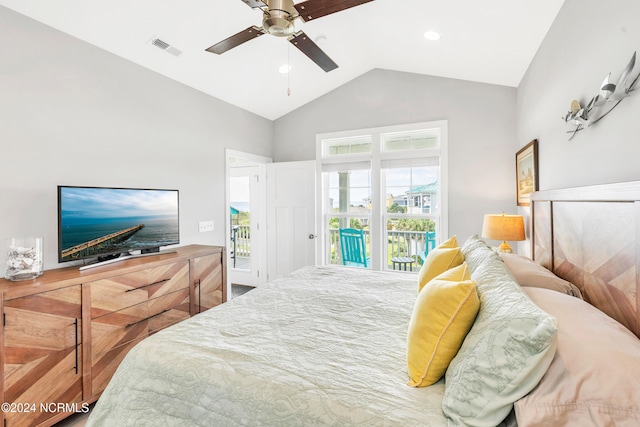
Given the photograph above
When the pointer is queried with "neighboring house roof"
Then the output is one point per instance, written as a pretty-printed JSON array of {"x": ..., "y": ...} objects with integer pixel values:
[
  {"x": 429, "y": 188},
  {"x": 233, "y": 210}
]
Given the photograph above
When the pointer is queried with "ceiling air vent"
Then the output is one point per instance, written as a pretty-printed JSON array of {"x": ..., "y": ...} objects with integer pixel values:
[{"x": 166, "y": 47}]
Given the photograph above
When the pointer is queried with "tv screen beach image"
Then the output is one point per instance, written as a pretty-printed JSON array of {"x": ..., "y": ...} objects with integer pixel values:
[{"x": 107, "y": 220}]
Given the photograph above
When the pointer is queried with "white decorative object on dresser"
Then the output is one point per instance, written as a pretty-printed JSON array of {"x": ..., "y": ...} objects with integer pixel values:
[{"x": 24, "y": 258}]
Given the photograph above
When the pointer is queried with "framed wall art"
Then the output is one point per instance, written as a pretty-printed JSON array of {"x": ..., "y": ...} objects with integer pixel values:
[{"x": 526, "y": 172}]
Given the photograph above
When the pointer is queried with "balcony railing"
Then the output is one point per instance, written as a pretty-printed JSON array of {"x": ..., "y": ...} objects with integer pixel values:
[
  {"x": 399, "y": 244},
  {"x": 241, "y": 240}
]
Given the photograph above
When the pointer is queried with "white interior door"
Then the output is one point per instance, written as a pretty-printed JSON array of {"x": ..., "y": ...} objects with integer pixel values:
[{"x": 291, "y": 223}]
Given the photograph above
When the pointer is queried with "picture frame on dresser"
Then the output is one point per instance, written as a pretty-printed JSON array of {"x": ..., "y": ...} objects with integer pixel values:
[{"x": 526, "y": 172}]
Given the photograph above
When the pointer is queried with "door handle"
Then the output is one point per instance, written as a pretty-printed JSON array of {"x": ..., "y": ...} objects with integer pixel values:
[{"x": 312, "y": 236}]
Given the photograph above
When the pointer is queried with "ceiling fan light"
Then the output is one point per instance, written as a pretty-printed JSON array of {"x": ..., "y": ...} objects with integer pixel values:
[
  {"x": 321, "y": 40},
  {"x": 432, "y": 35}
]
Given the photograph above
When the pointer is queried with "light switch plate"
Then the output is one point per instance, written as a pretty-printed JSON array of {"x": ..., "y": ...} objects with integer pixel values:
[{"x": 205, "y": 226}]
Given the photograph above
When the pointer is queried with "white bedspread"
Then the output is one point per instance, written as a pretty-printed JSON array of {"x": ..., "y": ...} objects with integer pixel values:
[{"x": 323, "y": 346}]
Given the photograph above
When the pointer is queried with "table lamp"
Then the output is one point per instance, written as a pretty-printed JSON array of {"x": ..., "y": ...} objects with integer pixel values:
[{"x": 503, "y": 227}]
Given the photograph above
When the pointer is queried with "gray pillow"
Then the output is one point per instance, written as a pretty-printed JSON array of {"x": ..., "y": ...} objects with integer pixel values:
[
  {"x": 529, "y": 273},
  {"x": 507, "y": 350}
]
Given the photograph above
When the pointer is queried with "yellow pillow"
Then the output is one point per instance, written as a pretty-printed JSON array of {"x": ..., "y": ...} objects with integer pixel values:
[
  {"x": 451, "y": 243},
  {"x": 442, "y": 316},
  {"x": 445, "y": 256}
]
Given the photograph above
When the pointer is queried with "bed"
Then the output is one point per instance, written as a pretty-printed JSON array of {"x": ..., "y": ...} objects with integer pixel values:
[
  {"x": 551, "y": 342},
  {"x": 316, "y": 356}
]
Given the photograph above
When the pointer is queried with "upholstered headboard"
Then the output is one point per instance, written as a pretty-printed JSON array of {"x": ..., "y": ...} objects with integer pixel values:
[{"x": 590, "y": 236}]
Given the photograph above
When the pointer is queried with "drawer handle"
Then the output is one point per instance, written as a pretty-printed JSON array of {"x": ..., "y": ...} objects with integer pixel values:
[
  {"x": 76, "y": 328},
  {"x": 147, "y": 318},
  {"x": 146, "y": 286},
  {"x": 199, "y": 296}
]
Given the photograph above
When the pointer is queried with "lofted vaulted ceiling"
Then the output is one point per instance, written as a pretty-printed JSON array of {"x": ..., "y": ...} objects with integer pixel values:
[{"x": 490, "y": 41}]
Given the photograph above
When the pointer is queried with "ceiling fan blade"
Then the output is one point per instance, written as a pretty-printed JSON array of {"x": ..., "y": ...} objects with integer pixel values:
[
  {"x": 236, "y": 40},
  {"x": 314, "y": 9},
  {"x": 254, "y": 3},
  {"x": 309, "y": 48}
]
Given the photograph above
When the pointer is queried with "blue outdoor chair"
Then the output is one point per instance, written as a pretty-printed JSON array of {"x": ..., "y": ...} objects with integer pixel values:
[
  {"x": 352, "y": 245},
  {"x": 430, "y": 244}
]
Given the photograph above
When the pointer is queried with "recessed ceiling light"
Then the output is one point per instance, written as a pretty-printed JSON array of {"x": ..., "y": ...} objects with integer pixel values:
[
  {"x": 432, "y": 35},
  {"x": 321, "y": 40},
  {"x": 284, "y": 69}
]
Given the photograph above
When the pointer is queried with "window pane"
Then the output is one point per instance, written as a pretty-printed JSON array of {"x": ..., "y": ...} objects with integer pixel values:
[
  {"x": 240, "y": 204},
  {"x": 349, "y": 191},
  {"x": 397, "y": 143},
  {"x": 409, "y": 238},
  {"x": 340, "y": 147},
  {"x": 412, "y": 190},
  {"x": 428, "y": 138},
  {"x": 425, "y": 141}
]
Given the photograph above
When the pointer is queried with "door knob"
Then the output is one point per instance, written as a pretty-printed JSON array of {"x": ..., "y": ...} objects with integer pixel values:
[{"x": 312, "y": 236}]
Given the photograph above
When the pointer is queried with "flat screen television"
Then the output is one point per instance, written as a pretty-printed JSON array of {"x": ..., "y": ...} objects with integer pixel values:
[{"x": 100, "y": 223}]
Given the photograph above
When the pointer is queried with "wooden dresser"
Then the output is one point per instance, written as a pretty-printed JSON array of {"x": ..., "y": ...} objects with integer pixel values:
[{"x": 65, "y": 333}]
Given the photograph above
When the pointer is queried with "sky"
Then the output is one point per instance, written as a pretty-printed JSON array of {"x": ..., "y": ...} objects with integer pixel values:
[
  {"x": 239, "y": 194},
  {"x": 114, "y": 203}
]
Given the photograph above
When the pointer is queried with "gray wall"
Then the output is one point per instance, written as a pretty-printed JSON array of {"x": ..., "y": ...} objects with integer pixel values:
[
  {"x": 588, "y": 40},
  {"x": 74, "y": 114},
  {"x": 481, "y": 122}
]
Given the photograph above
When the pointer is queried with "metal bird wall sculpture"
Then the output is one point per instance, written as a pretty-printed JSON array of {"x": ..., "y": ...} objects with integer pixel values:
[{"x": 604, "y": 102}]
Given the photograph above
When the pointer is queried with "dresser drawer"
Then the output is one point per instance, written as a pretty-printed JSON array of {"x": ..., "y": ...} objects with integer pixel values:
[
  {"x": 120, "y": 327},
  {"x": 178, "y": 311},
  {"x": 103, "y": 369},
  {"x": 120, "y": 292},
  {"x": 167, "y": 319}
]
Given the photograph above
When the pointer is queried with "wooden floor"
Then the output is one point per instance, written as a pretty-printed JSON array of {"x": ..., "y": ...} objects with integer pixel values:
[
  {"x": 237, "y": 290},
  {"x": 76, "y": 420}
]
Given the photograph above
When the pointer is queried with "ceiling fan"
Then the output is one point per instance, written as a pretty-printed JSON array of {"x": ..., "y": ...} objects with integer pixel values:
[{"x": 278, "y": 20}]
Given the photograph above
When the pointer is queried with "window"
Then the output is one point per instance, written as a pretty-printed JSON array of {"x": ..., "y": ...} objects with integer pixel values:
[
  {"x": 388, "y": 182},
  {"x": 401, "y": 141},
  {"x": 348, "y": 206},
  {"x": 353, "y": 145}
]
